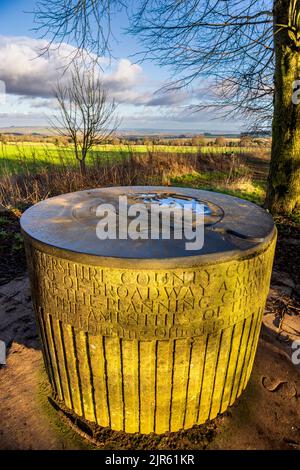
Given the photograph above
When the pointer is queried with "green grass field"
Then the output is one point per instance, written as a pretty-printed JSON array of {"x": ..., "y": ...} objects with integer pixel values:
[{"x": 18, "y": 158}]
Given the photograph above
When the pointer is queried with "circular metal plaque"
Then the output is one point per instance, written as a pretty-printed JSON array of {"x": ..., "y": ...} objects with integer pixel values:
[{"x": 68, "y": 222}]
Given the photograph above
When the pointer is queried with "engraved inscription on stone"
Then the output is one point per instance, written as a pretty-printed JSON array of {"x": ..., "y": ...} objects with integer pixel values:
[{"x": 137, "y": 304}]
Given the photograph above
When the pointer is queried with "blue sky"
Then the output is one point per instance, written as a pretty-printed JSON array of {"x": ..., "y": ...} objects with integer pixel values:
[{"x": 30, "y": 80}]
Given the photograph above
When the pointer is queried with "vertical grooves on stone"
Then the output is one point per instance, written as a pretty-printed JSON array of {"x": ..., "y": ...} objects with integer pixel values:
[
  {"x": 85, "y": 375},
  {"x": 122, "y": 383},
  {"x": 172, "y": 381},
  {"x": 193, "y": 388},
  {"x": 248, "y": 353},
  {"x": 236, "y": 345},
  {"x": 97, "y": 366},
  {"x": 139, "y": 382},
  {"x": 77, "y": 372},
  {"x": 62, "y": 344},
  {"x": 62, "y": 397},
  {"x": 202, "y": 378},
  {"x": 130, "y": 367},
  {"x": 146, "y": 385},
  {"x": 48, "y": 335},
  {"x": 224, "y": 351},
  {"x": 215, "y": 374},
  {"x": 46, "y": 348},
  {"x": 43, "y": 345},
  {"x": 253, "y": 348},
  {"x": 113, "y": 349},
  {"x": 251, "y": 352},
  {"x": 188, "y": 381},
  {"x": 71, "y": 361},
  {"x": 164, "y": 378},
  {"x": 155, "y": 385},
  {"x": 227, "y": 368},
  {"x": 244, "y": 358},
  {"x": 180, "y": 367},
  {"x": 137, "y": 385},
  {"x": 87, "y": 342},
  {"x": 209, "y": 376},
  {"x": 57, "y": 340},
  {"x": 106, "y": 381},
  {"x": 236, "y": 362},
  {"x": 186, "y": 372}
]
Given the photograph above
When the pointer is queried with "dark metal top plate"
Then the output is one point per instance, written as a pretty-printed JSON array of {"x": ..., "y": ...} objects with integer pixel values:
[{"x": 68, "y": 222}]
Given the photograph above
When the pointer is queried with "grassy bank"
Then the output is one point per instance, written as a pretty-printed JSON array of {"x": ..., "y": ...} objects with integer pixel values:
[
  {"x": 16, "y": 158},
  {"x": 239, "y": 174}
]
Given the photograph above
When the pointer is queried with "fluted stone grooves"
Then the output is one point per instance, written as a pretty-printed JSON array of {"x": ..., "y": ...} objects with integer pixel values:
[{"x": 149, "y": 350}]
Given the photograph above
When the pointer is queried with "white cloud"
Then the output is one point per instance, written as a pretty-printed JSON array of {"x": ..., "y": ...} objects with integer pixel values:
[
  {"x": 125, "y": 75},
  {"x": 26, "y": 71},
  {"x": 30, "y": 78},
  {"x": 29, "y": 73}
]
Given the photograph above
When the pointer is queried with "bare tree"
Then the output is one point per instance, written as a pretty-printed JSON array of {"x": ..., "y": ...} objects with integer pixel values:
[
  {"x": 246, "y": 50},
  {"x": 251, "y": 49},
  {"x": 86, "y": 23},
  {"x": 86, "y": 115}
]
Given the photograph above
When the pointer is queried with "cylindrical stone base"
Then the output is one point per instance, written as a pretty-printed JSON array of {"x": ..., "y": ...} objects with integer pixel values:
[{"x": 148, "y": 350}]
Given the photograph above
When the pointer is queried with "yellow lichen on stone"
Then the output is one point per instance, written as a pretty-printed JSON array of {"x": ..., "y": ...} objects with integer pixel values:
[{"x": 151, "y": 350}]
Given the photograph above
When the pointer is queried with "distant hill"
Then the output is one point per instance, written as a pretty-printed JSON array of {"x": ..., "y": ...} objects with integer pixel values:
[
  {"x": 36, "y": 131},
  {"x": 45, "y": 131},
  {"x": 175, "y": 133}
]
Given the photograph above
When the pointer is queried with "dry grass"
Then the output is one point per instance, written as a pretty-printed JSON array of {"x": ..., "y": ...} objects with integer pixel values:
[
  {"x": 31, "y": 187},
  {"x": 154, "y": 168}
]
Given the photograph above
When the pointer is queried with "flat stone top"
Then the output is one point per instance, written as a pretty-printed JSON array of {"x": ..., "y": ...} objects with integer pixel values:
[{"x": 233, "y": 227}]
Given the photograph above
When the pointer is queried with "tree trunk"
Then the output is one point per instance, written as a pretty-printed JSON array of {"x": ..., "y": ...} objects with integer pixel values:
[
  {"x": 82, "y": 167},
  {"x": 283, "y": 194}
]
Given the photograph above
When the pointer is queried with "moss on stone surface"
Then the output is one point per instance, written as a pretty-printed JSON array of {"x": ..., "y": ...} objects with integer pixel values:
[{"x": 150, "y": 373}]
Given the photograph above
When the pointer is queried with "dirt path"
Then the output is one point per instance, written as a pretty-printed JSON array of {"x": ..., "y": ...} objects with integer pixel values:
[{"x": 27, "y": 419}]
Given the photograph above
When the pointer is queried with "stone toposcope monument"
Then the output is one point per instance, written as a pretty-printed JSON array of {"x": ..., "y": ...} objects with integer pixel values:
[{"x": 143, "y": 335}]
